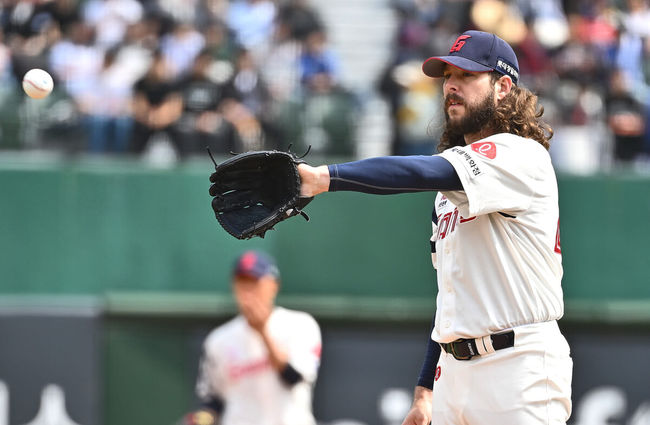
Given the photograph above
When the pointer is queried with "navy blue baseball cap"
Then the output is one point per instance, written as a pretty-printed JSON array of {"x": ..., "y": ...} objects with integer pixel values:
[
  {"x": 476, "y": 51},
  {"x": 256, "y": 264}
]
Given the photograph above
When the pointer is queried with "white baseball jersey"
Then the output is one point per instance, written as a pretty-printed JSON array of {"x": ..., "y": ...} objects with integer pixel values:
[
  {"x": 236, "y": 368},
  {"x": 498, "y": 256}
]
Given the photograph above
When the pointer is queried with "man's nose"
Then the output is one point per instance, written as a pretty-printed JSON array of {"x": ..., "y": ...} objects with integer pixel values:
[{"x": 451, "y": 85}]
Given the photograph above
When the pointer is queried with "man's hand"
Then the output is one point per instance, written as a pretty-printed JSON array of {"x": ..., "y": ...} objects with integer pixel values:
[
  {"x": 313, "y": 180},
  {"x": 420, "y": 413},
  {"x": 256, "y": 312}
]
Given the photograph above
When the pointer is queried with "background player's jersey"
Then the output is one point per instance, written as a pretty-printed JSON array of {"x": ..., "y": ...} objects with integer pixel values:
[
  {"x": 236, "y": 368},
  {"x": 497, "y": 254}
]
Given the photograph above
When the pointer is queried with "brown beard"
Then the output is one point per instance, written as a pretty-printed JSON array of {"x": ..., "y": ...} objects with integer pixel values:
[
  {"x": 518, "y": 113},
  {"x": 477, "y": 119}
]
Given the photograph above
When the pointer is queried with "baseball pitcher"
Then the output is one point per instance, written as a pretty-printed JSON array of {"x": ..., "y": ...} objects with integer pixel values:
[{"x": 495, "y": 353}]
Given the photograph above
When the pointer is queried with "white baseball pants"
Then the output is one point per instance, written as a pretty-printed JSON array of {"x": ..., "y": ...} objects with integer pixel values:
[{"x": 528, "y": 384}]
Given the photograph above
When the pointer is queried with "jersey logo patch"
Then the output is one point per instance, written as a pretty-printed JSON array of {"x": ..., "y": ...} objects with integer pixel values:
[
  {"x": 447, "y": 223},
  {"x": 438, "y": 373},
  {"x": 487, "y": 149}
]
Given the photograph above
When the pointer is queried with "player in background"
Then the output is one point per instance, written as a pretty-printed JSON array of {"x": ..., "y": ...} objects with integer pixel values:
[
  {"x": 495, "y": 245},
  {"x": 260, "y": 367}
]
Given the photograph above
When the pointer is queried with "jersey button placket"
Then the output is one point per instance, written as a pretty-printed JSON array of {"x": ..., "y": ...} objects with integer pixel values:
[
  {"x": 449, "y": 303},
  {"x": 448, "y": 297}
]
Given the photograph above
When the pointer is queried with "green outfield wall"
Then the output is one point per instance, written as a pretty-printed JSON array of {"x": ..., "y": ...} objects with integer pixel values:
[
  {"x": 142, "y": 237},
  {"x": 135, "y": 254}
]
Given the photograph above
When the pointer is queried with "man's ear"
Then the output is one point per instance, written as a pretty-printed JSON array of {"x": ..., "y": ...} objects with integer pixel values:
[{"x": 502, "y": 87}]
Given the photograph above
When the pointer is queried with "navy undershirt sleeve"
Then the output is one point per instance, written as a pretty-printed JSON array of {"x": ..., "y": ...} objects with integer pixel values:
[
  {"x": 427, "y": 373},
  {"x": 394, "y": 174}
]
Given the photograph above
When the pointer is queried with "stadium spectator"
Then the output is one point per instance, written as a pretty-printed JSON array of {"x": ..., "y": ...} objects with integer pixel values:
[
  {"x": 76, "y": 61},
  {"x": 111, "y": 18},
  {"x": 201, "y": 124},
  {"x": 188, "y": 12},
  {"x": 625, "y": 117},
  {"x": 252, "y": 22},
  {"x": 319, "y": 66},
  {"x": 328, "y": 110},
  {"x": 246, "y": 103},
  {"x": 220, "y": 42},
  {"x": 402, "y": 84},
  {"x": 299, "y": 18},
  {"x": 280, "y": 68},
  {"x": 157, "y": 105},
  {"x": 106, "y": 106},
  {"x": 135, "y": 53},
  {"x": 415, "y": 104},
  {"x": 180, "y": 47},
  {"x": 5, "y": 60}
]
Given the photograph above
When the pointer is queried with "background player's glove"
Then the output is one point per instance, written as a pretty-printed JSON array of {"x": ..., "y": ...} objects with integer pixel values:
[
  {"x": 199, "y": 417},
  {"x": 254, "y": 191}
]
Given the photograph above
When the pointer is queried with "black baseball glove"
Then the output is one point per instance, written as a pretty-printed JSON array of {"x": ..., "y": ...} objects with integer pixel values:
[{"x": 254, "y": 191}]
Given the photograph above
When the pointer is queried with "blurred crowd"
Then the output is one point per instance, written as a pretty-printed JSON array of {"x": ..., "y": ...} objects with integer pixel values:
[
  {"x": 133, "y": 76},
  {"x": 172, "y": 75},
  {"x": 588, "y": 60}
]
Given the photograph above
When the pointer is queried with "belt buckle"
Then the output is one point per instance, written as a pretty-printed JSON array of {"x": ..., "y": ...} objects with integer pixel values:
[{"x": 457, "y": 356}]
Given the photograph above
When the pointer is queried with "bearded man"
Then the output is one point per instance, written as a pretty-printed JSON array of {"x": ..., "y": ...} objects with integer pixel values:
[{"x": 495, "y": 351}]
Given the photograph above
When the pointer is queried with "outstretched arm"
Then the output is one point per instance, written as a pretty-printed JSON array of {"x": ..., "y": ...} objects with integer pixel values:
[{"x": 382, "y": 175}]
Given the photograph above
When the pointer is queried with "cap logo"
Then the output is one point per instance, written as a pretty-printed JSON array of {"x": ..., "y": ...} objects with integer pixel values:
[
  {"x": 459, "y": 43},
  {"x": 248, "y": 261}
]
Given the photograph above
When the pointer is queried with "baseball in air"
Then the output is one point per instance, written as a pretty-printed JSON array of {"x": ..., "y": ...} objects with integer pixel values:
[{"x": 37, "y": 83}]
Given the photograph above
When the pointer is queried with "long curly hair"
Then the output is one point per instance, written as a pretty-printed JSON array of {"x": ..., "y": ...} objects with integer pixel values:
[{"x": 518, "y": 113}]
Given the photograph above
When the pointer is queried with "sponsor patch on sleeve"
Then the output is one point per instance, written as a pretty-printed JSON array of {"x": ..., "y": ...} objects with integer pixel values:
[
  {"x": 487, "y": 149},
  {"x": 468, "y": 158}
]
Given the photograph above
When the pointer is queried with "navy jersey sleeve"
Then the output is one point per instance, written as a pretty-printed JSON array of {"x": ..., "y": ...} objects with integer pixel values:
[
  {"x": 427, "y": 373},
  {"x": 395, "y": 174}
]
